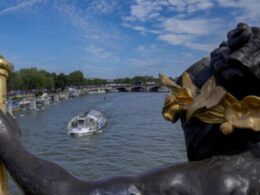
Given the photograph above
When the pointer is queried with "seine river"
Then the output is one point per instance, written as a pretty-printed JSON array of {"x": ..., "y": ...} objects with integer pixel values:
[{"x": 136, "y": 137}]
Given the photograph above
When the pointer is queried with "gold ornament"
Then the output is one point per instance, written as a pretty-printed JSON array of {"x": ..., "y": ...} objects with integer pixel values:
[
  {"x": 211, "y": 104},
  {"x": 5, "y": 68}
]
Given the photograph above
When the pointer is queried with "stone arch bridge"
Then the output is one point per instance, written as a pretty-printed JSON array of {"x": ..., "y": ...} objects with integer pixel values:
[{"x": 130, "y": 88}]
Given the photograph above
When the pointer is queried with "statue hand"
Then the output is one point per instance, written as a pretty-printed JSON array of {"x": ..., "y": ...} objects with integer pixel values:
[
  {"x": 239, "y": 36},
  {"x": 232, "y": 58},
  {"x": 219, "y": 57},
  {"x": 231, "y": 73}
]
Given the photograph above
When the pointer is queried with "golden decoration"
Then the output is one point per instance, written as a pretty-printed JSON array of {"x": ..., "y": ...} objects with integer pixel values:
[
  {"x": 5, "y": 68},
  {"x": 180, "y": 97},
  {"x": 211, "y": 104}
]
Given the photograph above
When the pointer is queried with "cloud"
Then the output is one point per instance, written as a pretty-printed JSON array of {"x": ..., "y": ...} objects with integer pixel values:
[
  {"x": 174, "y": 22},
  {"x": 188, "y": 32},
  {"x": 152, "y": 59},
  {"x": 191, "y": 6},
  {"x": 145, "y": 9},
  {"x": 90, "y": 29},
  {"x": 175, "y": 39},
  {"x": 194, "y": 26},
  {"x": 151, "y": 56},
  {"x": 73, "y": 15},
  {"x": 157, "y": 56},
  {"x": 207, "y": 47},
  {"x": 247, "y": 11},
  {"x": 154, "y": 63},
  {"x": 102, "y": 6},
  {"x": 21, "y": 6},
  {"x": 141, "y": 28},
  {"x": 99, "y": 54},
  {"x": 230, "y": 3}
]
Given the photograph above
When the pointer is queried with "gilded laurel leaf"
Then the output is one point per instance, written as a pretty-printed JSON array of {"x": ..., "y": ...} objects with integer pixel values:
[{"x": 212, "y": 104}]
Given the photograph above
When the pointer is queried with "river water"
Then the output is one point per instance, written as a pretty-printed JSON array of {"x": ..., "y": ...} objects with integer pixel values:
[{"x": 136, "y": 137}]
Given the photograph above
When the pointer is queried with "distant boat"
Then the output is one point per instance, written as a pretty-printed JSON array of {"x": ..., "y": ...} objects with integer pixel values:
[
  {"x": 24, "y": 103},
  {"x": 74, "y": 94},
  {"x": 86, "y": 124},
  {"x": 97, "y": 91}
]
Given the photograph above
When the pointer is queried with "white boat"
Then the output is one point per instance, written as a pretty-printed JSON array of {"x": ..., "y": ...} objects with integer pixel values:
[
  {"x": 86, "y": 124},
  {"x": 24, "y": 103},
  {"x": 97, "y": 91}
]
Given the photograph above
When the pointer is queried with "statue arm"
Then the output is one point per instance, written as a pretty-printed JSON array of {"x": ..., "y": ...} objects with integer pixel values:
[
  {"x": 41, "y": 177},
  {"x": 32, "y": 174}
]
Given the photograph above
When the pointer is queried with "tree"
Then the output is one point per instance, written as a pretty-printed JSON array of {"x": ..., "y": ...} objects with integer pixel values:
[
  {"x": 96, "y": 81},
  {"x": 61, "y": 81},
  {"x": 14, "y": 81},
  {"x": 76, "y": 78},
  {"x": 31, "y": 78}
]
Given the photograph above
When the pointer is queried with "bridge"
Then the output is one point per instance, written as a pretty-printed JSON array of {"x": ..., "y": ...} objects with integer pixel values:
[{"x": 114, "y": 87}]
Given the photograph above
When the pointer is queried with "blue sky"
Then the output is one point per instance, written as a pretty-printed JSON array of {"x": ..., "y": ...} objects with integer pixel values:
[{"x": 117, "y": 38}]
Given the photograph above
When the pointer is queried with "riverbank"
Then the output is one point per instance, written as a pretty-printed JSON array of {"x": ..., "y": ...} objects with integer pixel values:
[{"x": 18, "y": 102}]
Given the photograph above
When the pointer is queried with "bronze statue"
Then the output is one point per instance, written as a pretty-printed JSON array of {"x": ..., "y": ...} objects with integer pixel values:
[{"x": 221, "y": 162}]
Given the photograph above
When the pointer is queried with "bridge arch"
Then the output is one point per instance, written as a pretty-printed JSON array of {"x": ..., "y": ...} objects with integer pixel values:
[
  {"x": 122, "y": 89},
  {"x": 154, "y": 89},
  {"x": 138, "y": 89}
]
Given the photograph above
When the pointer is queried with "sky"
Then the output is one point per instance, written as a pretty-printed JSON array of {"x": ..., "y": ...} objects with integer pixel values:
[{"x": 117, "y": 38}]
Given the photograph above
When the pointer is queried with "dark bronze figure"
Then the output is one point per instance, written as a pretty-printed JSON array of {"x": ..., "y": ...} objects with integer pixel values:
[{"x": 219, "y": 164}]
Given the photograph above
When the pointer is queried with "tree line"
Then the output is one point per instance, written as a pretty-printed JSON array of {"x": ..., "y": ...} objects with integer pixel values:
[{"x": 33, "y": 78}]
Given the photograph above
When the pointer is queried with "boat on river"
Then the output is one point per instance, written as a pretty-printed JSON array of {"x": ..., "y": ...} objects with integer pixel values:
[
  {"x": 86, "y": 124},
  {"x": 24, "y": 103}
]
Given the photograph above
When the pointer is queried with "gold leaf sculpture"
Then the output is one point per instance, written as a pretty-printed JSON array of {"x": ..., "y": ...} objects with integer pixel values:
[
  {"x": 180, "y": 97},
  {"x": 211, "y": 104}
]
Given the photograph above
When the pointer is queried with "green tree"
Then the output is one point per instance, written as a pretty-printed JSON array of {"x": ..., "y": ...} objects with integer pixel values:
[
  {"x": 61, "y": 81},
  {"x": 14, "y": 81},
  {"x": 31, "y": 78},
  {"x": 48, "y": 79},
  {"x": 76, "y": 78},
  {"x": 95, "y": 81}
]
